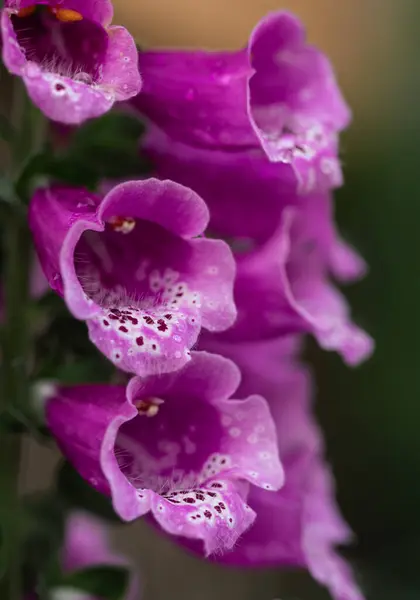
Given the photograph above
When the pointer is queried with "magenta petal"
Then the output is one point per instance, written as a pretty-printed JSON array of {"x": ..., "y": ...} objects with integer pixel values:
[
  {"x": 346, "y": 264},
  {"x": 135, "y": 346},
  {"x": 206, "y": 92},
  {"x": 166, "y": 203},
  {"x": 64, "y": 100},
  {"x": 84, "y": 421},
  {"x": 218, "y": 515},
  {"x": 300, "y": 525},
  {"x": 293, "y": 86},
  {"x": 320, "y": 305},
  {"x": 57, "y": 218},
  {"x": 13, "y": 56},
  {"x": 120, "y": 74},
  {"x": 283, "y": 287}
]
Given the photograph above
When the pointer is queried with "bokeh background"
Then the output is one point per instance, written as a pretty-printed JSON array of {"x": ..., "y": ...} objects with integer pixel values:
[{"x": 371, "y": 415}]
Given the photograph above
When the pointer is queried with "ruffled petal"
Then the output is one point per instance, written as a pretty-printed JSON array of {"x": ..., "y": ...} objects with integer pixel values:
[
  {"x": 300, "y": 525},
  {"x": 64, "y": 100},
  {"x": 120, "y": 73},
  {"x": 293, "y": 87},
  {"x": 214, "y": 513},
  {"x": 321, "y": 306}
]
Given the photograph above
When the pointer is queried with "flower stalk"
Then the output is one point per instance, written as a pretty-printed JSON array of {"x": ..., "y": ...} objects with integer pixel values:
[{"x": 16, "y": 345}]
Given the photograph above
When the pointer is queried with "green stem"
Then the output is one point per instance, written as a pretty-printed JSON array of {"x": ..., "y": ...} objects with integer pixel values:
[
  {"x": 16, "y": 348},
  {"x": 15, "y": 389}
]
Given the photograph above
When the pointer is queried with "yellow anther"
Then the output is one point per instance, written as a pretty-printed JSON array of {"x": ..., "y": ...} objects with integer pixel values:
[
  {"x": 66, "y": 15},
  {"x": 122, "y": 224},
  {"x": 26, "y": 12},
  {"x": 149, "y": 407}
]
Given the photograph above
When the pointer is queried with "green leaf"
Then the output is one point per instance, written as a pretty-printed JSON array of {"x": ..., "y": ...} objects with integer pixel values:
[
  {"x": 110, "y": 145},
  {"x": 76, "y": 360},
  {"x": 104, "y": 148},
  {"x": 76, "y": 493},
  {"x": 109, "y": 582}
]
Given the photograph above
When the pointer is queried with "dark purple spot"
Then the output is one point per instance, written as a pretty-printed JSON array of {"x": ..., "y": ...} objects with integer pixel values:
[
  {"x": 168, "y": 316},
  {"x": 216, "y": 485},
  {"x": 106, "y": 323},
  {"x": 223, "y": 461},
  {"x": 140, "y": 341},
  {"x": 212, "y": 494},
  {"x": 162, "y": 325},
  {"x": 59, "y": 87},
  {"x": 207, "y": 514},
  {"x": 222, "y": 505},
  {"x": 133, "y": 320},
  {"x": 189, "y": 500},
  {"x": 180, "y": 294},
  {"x": 218, "y": 509},
  {"x": 153, "y": 346},
  {"x": 149, "y": 320},
  {"x": 113, "y": 317},
  {"x": 115, "y": 311},
  {"x": 230, "y": 520},
  {"x": 200, "y": 497},
  {"x": 123, "y": 329}
]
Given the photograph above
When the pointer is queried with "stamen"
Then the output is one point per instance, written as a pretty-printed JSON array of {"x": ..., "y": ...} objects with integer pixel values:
[
  {"x": 26, "y": 12},
  {"x": 66, "y": 15},
  {"x": 122, "y": 224},
  {"x": 148, "y": 407}
]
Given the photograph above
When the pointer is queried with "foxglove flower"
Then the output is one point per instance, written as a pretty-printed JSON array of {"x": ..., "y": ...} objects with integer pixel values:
[
  {"x": 300, "y": 525},
  {"x": 286, "y": 246},
  {"x": 74, "y": 64},
  {"x": 278, "y": 95},
  {"x": 291, "y": 287},
  {"x": 135, "y": 267},
  {"x": 175, "y": 446},
  {"x": 86, "y": 544}
]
